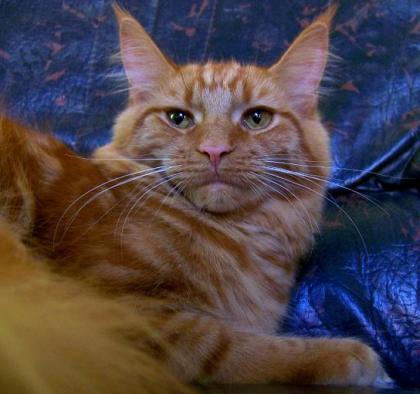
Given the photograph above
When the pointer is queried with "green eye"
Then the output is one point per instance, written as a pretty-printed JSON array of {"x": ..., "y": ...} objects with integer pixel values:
[
  {"x": 257, "y": 118},
  {"x": 180, "y": 119}
]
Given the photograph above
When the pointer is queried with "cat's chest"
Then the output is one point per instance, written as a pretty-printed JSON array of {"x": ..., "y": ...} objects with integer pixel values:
[
  {"x": 240, "y": 271},
  {"x": 249, "y": 277}
]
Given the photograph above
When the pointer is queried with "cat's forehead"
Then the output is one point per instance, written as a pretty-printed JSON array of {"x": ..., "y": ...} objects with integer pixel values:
[
  {"x": 212, "y": 75},
  {"x": 218, "y": 86}
]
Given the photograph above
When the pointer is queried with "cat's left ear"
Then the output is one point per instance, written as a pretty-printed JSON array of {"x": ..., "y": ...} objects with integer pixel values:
[
  {"x": 144, "y": 64},
  {"x": 299, "y": 71}
]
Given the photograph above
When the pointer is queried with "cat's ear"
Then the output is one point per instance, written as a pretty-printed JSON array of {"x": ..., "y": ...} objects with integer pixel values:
[
  {"x": 299, "y": 71},
  {"x": 144, "y": 64}
]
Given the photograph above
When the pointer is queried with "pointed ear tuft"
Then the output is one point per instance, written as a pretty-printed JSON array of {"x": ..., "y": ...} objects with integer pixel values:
[
  {"x": 327, "y": 16},
  {"x": 299, "y": 71},
  {"x": 144, "y": 64}
]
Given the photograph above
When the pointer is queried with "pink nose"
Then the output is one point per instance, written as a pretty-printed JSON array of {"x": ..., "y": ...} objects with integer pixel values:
[{"x": 215, "y": 153}]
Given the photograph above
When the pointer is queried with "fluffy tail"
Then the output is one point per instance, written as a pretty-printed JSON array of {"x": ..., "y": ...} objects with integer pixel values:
[{"x": 56, "y": 336}]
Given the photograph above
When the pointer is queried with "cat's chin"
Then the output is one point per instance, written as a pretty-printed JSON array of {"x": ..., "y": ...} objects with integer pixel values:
[{"x": 218, "y": 197}]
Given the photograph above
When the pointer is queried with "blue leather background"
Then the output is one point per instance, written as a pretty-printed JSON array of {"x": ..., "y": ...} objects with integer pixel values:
[{"x": 362, "y": 278}]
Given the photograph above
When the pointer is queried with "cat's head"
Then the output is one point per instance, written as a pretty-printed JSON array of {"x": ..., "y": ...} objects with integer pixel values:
[{"x": 226, "y": 135}]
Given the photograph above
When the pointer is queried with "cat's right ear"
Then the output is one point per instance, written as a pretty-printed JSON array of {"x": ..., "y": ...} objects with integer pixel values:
[{"x": 144, "y": 64}]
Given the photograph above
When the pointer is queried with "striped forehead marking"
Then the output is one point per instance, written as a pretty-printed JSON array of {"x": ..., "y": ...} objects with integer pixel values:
[
  {"x": 217, "y": 86},
  {"x": 225, "y": 75}
]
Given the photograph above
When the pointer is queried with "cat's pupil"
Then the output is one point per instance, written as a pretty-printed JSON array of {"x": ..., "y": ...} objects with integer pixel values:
[
  {"x": 257, "y": 117},
  {"x": 177, "y": 117}
]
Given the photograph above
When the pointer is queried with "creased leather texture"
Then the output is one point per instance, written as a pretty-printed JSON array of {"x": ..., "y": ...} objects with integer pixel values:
[{"x": 362, "y": 278}]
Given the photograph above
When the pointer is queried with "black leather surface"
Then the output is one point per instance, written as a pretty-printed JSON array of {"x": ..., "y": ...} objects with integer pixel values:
[{"x": 55, "y": 70}]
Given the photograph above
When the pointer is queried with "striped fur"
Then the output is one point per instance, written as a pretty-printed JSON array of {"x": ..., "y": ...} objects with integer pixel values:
[{"x": 210, "y": 254}]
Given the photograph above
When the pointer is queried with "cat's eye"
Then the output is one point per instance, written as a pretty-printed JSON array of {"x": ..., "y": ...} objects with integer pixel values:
[
  {"x": 257, "y": 118},
  {"x": 180, "y": 119}
]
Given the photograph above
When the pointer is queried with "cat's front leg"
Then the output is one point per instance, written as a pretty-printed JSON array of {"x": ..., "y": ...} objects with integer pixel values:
[
  {"x": 338, "y": 362},
  {"x": 202, "y": 348}
]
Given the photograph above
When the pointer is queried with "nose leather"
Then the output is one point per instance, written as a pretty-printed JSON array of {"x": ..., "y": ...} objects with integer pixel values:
[{"x": 215, "y": 153}]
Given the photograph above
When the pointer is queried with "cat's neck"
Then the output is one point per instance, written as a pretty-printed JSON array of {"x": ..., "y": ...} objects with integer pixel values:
[{"x": 294, "y": 228}]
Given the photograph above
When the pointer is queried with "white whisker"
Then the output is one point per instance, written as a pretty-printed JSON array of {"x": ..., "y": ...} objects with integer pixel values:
[
  {"x": 134, "y": 177},
  {"x": 312, "y": 222},
  {"x": 90, "y": 191},
  {"x": 332, "y": 202},
  {"x": 320, "y": 178},
  {"x": 288, "y": 161},
  {"x": 138, "y": 200}
]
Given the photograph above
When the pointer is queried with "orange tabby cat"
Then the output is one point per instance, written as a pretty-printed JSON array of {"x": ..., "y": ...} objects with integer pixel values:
[{"x": 197, "y": 208}]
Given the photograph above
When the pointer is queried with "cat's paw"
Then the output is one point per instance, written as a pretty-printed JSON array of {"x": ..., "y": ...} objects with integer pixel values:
[
  {"x": 383, "y": 381},
  {"x": 361, "y": 365}
]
